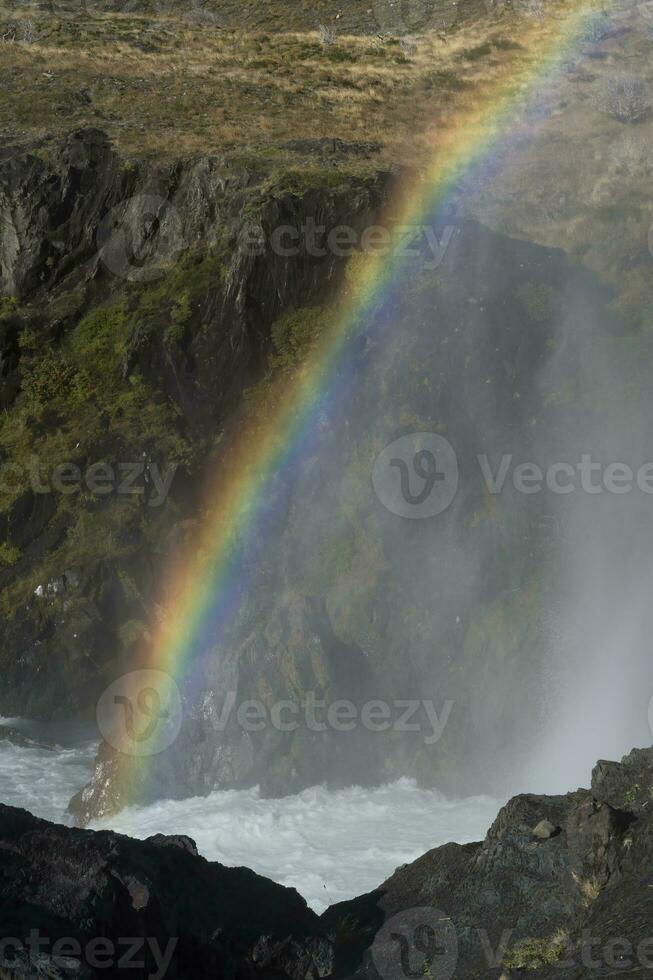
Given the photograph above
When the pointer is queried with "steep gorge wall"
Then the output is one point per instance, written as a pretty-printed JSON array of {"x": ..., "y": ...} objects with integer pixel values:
[{"x": 134, "y": 313}]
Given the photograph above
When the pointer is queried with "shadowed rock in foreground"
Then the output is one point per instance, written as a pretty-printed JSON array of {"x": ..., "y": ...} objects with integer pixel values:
[
  {"x": 562, "y": 886},
  {"x": 152, "y": 908}
]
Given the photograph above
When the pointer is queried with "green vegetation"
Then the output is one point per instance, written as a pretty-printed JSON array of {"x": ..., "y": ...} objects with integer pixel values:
[
  {"x": 7, "y": 307},
  {"x": 532, "y": 954},
  {"x": 96, "y": 396},
  {"x": 538, "y": 299},
  {"x": 9, "y": 554},
  {"x": 295, "y": 335}
]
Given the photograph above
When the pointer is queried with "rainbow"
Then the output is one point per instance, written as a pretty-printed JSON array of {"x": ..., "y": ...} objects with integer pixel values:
[{"x": 203, "y": 597}]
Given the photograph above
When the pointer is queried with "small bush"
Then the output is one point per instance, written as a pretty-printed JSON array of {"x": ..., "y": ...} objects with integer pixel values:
[
  {"x": 326, "y": 35},
  {"x": 532, "y": 8},
  {"x": 19, "y": 30},
  {"x": 625, "y": 98},
  {"x": 9, "y": 554},
  {"x": 408, "y": 46},
  {"x": 340, "y": 55},
  {"x": 532, "y": 954}
]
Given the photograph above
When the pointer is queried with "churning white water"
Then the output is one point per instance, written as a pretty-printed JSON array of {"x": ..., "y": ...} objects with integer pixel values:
[
  {"x": 41, "y": 776},
  {"x": 328, "y": 845}
]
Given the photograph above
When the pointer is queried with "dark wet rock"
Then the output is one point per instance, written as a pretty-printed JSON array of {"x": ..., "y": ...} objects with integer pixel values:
[
  {"x": 545, "y": 900},
  {"x": 84, "y": 888},
  {"x": 25, "y": 741},
  {"x": 626, "y": 785},
  {"x": 174, "y": 840}
]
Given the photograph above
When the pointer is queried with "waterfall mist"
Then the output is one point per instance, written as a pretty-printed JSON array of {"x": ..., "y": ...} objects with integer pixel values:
[
  {"x": 599, "y": 677},
  {"x": 529, "y": 609}
]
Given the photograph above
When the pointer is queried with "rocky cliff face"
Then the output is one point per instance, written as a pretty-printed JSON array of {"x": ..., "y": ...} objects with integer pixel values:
[
  {"x": 134, "y": 312},
  {"x": 561, "y": 887}
]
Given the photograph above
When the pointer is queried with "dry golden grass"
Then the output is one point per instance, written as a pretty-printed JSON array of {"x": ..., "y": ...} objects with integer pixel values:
[
  {"x": 169, "y": 87},
  {"x": 589, "y": 888}
]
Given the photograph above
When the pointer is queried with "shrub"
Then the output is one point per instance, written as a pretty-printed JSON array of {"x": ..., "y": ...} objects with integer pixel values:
[
  {"x": 9, "y": 554},
  {"x": 408, "y": 46},
  {"x": 19, "y": 30},
  {"x": 326, "y": 35},
  {"x": 532, "y": 954},
  {"x": 625, "y": 98},
  {"x": 7, "y": 307},
  {"x": 532, "y": 8}
]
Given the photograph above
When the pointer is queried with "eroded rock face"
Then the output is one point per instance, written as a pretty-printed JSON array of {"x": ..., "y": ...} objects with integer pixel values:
[
  {"x": 187, "y": 917},
  {"x": 82, "y": 230},
  {"x": 576, "y": 903}
]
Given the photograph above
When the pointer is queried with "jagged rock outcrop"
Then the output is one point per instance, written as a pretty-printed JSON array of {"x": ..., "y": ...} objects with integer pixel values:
[
  {"x": 100, "y": 901},
  {"x": 575, "y": 903}
]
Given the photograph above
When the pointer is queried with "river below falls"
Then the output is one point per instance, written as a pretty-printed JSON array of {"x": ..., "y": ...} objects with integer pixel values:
[{"x": 329, "y": 845}]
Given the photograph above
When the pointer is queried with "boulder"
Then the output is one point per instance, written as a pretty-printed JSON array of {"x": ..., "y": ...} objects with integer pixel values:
[{"x": 69, "y": 898}]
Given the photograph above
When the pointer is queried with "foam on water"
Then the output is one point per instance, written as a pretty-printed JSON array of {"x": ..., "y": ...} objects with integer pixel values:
[
  {"x": 42, "y": 780},
  {"x": 328, "y": 845}
]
